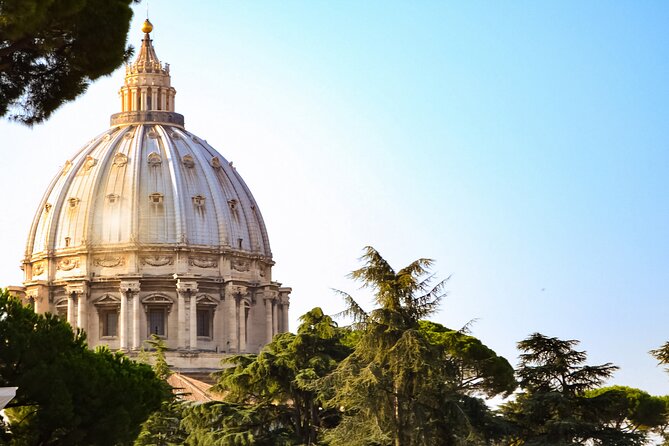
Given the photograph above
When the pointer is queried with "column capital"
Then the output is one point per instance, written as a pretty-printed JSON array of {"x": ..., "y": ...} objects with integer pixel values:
[
  {"x": 186, "y": 286},
  {"x": 131, "y": 286},
  {"x": 76, "y": 288}
]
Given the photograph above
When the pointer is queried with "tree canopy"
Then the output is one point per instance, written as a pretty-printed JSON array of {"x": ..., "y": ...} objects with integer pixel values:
[
  {"x": 51, "y": 50},
  {"x": 68, "y": 394},
  {"x": 405, "y": 383}
]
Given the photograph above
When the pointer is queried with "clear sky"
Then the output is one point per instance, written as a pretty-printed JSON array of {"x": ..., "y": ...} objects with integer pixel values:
[{"x": 522, "y": 145}]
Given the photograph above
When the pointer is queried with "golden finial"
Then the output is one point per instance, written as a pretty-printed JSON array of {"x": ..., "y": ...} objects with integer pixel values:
[{"x": 147, "y": 27}]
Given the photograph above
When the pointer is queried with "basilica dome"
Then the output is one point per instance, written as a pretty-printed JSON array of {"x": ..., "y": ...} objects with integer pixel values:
[{"x": 147, "y": 229}]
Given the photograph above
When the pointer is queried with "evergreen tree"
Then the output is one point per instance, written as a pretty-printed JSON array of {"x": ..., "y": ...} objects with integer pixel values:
[
  {"x": 401, "y": 386},
  {"x": 51, "y": 50},
  {"x": 554, "y": 408},
  {"x": 281, "y": 377},
  {"x": 68, "y": 394}
]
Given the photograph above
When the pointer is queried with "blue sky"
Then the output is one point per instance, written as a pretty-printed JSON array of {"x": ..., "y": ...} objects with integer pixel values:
[{"x": 522, "y": 145}]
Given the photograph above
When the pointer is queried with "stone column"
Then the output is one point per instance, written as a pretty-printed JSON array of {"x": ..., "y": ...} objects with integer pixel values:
[
  {"x": 123, "y": 321},
  {"x": 193, "y": 321},
  {"x": 129, "y": 290},
  {"x": 284, "y": 317},
  {"x": 275, "y": 317},
  {"x": 284, "y": 298},
  {"x": 268, "y": 319},
  {"x": 233, "y": 341},
  {"x": 242, "y": 326},
  {"x": 70, "y": 308},
  {"x": 184, "y": 290},
  {"x": 82, "y": 311},
  {"x": 136, "y": 319}
]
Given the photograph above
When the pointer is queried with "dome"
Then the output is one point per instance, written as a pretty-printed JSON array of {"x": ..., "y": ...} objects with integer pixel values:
[
  {"x": 148, "y": 230},
  {"x": 154, "y": 185}
]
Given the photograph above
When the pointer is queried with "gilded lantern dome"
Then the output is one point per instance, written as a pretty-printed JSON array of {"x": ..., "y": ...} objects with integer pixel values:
[{"x": 147, "y": 229}]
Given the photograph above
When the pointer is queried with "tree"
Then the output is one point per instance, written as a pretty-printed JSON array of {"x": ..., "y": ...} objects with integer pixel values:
[
  {"x": 51, "y": 50},
  {"x": 554, "y": 408},
  {"x": 402, "y": 385},
  {"x": 282, "y": 377},
  {"x": 68, "y": 394},
  {"x": 629, "y": 409}
]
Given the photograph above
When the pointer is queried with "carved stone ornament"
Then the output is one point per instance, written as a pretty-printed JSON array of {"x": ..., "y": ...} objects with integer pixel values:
[
  {"x": 68, "y": 264},
  {"x": 240, "y": 264},
  {"x": 187, "y": 161},
  {"x": 120, "y": 159},
  {"x": 157, "y": 260},
  {"x": 203, "y": 262},
  {"x": 109, "y": 262},
  {"x": 89, "y": 163},
  {"x": 38, "y": 268},
  {"x": 215, "y": 163},
  {"x": 154, "y": 159},
  {"x": 129, "y": 285},
  {"x": 107, "y": 137},
  {"x": 67, "y": 166}
]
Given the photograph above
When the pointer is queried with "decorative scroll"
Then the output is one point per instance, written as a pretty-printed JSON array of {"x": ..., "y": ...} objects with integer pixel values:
[
  {"x": 68, "y": 264},
  {"x": 203, "y": 262},
  {"x": 109, "y": 262},
  {"x": 38, "y": 269},
  {"x": 157, "y": 260},
  {"x": 240, "y": 264}
]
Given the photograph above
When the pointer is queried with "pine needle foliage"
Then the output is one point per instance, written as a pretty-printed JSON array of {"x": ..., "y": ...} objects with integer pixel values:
[
  {"x": 554, "y": 408},
  {"x": 397, "y": 387}
]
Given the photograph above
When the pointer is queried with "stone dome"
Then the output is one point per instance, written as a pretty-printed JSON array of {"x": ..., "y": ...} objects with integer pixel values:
[
  {"x": 147, "y": 229},
  {"x": 154, "y": 185}
]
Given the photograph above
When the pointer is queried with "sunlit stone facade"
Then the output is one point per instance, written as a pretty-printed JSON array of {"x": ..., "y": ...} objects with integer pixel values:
[{"x": 148, "y": 229}]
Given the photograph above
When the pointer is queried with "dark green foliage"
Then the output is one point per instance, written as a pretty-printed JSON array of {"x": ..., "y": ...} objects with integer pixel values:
[
  {"x": 164, "y": 427},
  {"x": 68, "y": 394},
  {"x": 231, "y": 424},
  {"x": 554, "y": 408},
  {"x": 282, "y": 377},
  {"x": 50, "y": 51},
  {"x": 408, "y": 382}
]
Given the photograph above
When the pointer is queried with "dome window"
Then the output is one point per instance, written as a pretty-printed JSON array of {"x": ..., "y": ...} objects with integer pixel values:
[
  {"x": 156, "y": 198},
  {"x": 120, "y": 159},
  {"x": 154, "y": 159},
  {"x": 233, "y": 204},
  {"x": 198, "y": 200},
  {"x": 73, "y": 202},
  {"x": 67, "y": 242},
  {"x": 187, "y": 161},
  {"x": 215, "y": 163},
  {"x": 47, "y": 207},
  {"x": 112, "y": 198},
  {"x": 89, "y": 163}
]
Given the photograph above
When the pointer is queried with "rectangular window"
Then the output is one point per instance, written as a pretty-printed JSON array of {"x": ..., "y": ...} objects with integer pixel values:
[
  {"x": 109, "y": 323},
  {"x": 204, "y": 323},
  {"x": 156, "y": 321}
]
